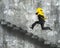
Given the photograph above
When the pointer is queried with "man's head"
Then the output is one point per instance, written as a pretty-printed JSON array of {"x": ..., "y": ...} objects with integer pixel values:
[{"x": 39, "y": 11}]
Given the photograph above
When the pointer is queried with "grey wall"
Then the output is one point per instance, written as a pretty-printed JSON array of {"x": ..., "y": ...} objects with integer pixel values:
[
  {"x": 22, "y": 14},
  {"x": 12, "y": 39}
]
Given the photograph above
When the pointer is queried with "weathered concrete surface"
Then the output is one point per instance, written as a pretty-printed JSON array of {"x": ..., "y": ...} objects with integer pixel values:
[
  {"x": 22, "y": 14},
  {"x": 1, "y": 37},
  {"x": 12, "y": 39}
]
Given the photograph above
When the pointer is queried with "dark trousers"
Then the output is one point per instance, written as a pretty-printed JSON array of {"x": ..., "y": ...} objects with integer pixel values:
[{"x": 41, "y": 22}]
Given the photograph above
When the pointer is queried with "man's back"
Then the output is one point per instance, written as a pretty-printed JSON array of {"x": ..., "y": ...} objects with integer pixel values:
[{"x": 39, "y": 12}]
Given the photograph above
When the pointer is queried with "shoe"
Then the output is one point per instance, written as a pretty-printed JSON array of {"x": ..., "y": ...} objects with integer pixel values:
[
  {"x": 31, "y": 27},
  {"x": 50, "y": 29}
]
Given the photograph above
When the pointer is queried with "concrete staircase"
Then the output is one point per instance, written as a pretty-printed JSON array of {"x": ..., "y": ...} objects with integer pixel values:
[{"x": 19, "y": 30}]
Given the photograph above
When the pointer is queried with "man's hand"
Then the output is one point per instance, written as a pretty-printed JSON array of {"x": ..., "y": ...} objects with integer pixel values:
[
  {"x": 36, "y": 13},
  {"x": 46, "y": 17}
]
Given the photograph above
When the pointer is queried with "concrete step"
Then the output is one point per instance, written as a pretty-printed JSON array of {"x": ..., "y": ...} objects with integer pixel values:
[{"x": 24, "y": 32}]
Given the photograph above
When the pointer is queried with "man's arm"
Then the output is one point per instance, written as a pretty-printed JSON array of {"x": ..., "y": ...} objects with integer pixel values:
[
  {"x": 36, "y": 13},
  {"x": 44, "y": 17}
]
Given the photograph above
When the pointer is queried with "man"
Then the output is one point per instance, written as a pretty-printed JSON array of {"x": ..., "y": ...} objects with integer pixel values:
[{"x": 41, "y": 18}]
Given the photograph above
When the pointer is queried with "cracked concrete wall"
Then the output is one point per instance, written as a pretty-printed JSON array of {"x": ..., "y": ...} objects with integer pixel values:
[
  {"x": 22, "y": 14},
  {"x": 10, "y": 39}
]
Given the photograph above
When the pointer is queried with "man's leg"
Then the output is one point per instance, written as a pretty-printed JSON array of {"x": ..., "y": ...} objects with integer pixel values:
[
  {"x": 37, "y": 22},
  {"x": 45, "y": 28}
]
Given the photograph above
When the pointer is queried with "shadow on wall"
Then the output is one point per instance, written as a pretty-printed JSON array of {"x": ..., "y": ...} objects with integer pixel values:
[{"x": 21, "y": 36}]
